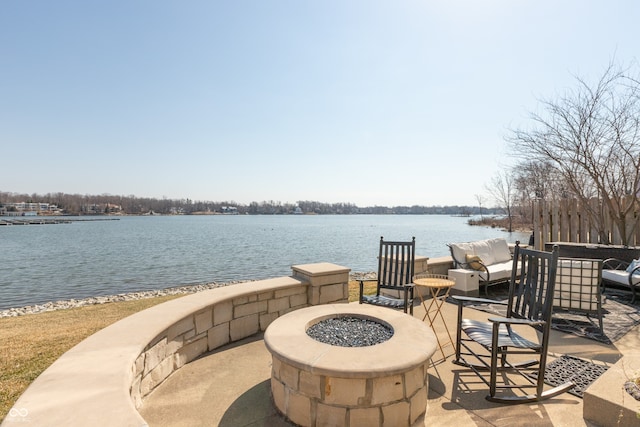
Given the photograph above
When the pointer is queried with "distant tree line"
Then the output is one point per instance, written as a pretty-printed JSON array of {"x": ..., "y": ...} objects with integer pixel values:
[{"x": 77, "y": 204}]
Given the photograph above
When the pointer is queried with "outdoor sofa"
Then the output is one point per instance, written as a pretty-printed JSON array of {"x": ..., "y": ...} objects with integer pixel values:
[{"x": 490, "y": 260}]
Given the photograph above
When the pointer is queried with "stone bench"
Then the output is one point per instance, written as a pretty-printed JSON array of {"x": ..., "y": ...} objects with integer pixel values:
[
  {"x": 606, "y": 402},
  {"x": 103, "y": 379}
]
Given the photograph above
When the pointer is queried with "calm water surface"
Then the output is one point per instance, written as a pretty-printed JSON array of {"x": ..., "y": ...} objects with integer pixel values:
[{"x": 43, "y": 263}]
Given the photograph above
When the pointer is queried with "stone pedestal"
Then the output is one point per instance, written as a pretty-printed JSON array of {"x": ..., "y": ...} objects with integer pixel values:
[{"x": 315, "y": 384}]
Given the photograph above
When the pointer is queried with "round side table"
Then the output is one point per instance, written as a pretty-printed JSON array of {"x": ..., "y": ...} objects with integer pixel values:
[{"x": 439, "y": 286}]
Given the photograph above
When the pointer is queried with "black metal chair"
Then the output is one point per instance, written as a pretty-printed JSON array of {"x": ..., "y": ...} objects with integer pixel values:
[
  {"x": 622, "y": 273},
  {"x": 579, "y": 287},
  {"x": 492, "y": 343},
  {"x": 395, "y": 274}
]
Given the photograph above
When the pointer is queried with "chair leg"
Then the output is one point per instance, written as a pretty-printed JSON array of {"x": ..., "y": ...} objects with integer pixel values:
[
  {"x": 411, "y": 299},
  {"x": 600, "y": 318},
  {"x": 459, "y": 333},
  {"x": 406, "y": 300},
  {"x": 493, "y": 374},
  {"x": 530, "y": 398}
]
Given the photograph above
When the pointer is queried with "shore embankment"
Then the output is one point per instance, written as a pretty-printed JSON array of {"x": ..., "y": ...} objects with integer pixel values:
[{"x": 178, "y": 290}]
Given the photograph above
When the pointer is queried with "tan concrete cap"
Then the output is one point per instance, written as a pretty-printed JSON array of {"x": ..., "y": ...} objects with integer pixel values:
[{"x": 412, "y": 344}]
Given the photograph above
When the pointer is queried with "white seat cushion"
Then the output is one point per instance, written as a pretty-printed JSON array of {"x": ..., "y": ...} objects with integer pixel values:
[
  {"x": 619, "y": 276},
  {"x": 501, "y": 270}
]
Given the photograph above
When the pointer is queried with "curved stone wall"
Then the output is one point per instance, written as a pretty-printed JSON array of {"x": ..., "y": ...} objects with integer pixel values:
[{"x": 102, "y": 380}]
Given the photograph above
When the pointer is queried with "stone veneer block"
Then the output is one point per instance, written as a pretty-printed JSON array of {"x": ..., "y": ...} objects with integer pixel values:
[
  {"x": 218, "y": 336},
  {"x": 266, "y": 319},
  {"x": 174, "y": 345},
  {"x": 289, "y": 292},
  {"x": 241, "y": 300},
  {"x": 244, "y": 327},
  {"x": 298, "y": 300},
  {"x": 419, "y": 404},
  {"x": 135, "y": 392},
  {"x": 193, "y": 338},
  {"x": 204, "y": 321},
  {"x": 162, "y": 371},
  {"x": 222, "y": 312},
  {"x": 414, "y": 380},
  {"x": 313, "y": 295},
  {"x": 333, "y": 293},
  {"x": 146, "y": 385},
  {"x": 180, "y": 327},
  {"x": 192, "y": 350},
  {"x": 343, "y": 391},
  {"x": 139, "y": 365},
  {"x": 364, "y": 417},
  {"x": 250, "y": 308},
  {"x": 396, "y": 414},
  {"x": 278, "y": 393},
  {"x": 154, "y": 356},
  {"x": 275, "y": 367},
  {"x": 310, "y": 384},
  {"x": 289, "y": 375},
  {"x": 330, "y": 416},
  {"x": 265, "y": 296},
  {"x": 298, "y": 408},
  {"x": 387, "y": 389},
  {"x": 279, "y": 304}
]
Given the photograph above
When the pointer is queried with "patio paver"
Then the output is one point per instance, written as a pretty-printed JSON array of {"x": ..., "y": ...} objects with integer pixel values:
[{"x": 230, "y": 387}]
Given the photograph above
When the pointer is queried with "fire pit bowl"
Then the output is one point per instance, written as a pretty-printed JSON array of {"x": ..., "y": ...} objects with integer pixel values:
[{"x": 314, "y": 383}]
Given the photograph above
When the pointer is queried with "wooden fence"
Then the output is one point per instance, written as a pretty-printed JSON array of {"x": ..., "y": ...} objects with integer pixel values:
[{"x": 566, "y": 220}]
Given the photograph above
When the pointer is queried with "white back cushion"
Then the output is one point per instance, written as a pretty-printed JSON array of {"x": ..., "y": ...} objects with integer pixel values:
[{"x": 490, "y": 251}]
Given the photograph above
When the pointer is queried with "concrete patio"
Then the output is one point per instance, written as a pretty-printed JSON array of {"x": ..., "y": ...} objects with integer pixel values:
[{"x": 231, "y": 387}]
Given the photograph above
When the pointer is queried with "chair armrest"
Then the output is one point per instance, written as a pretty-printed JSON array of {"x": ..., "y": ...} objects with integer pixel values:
[
  {"x": 614, "y": 264},
  {"x": 636, "y": 272},
  {"x": 409, "y": 291},
  {"x": 513, "y": 321},
  {"x": 361, "y": 290},
  {"x": 459, "y": 299}
]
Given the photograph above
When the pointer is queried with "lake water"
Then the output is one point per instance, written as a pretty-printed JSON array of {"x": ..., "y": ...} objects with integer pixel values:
[{"x": 43, "y": 263}]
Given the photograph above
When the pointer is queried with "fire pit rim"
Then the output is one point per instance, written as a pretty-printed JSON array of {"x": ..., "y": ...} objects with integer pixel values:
[{"x": 412, "y": 343}]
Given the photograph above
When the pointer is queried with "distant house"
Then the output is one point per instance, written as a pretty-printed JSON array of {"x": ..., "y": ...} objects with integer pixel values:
[
  {"x": 229, "y": 210},
  {"x": 176, "y": 210},
  {"x": 30, "y": 209}
]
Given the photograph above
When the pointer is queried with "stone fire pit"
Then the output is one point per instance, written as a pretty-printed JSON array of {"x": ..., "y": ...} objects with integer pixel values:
[{"x": 314, "y": 383}]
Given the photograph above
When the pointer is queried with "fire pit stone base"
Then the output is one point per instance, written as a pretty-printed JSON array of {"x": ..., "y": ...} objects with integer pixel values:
[{"x": 316, "y": 384}]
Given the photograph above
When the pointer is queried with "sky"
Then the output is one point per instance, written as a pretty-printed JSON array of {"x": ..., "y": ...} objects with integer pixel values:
[{"x": 368, "y": 102}]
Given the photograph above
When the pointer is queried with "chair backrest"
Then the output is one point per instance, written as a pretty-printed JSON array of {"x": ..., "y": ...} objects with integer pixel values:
[
  {"x": 578, "y": 284},
  {"x": 395, "y": 263},
  {"x": 533, "y": 279}
]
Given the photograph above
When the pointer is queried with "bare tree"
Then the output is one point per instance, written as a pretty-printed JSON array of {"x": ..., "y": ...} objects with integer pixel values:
[
  {"x": 480, "y": 199},
  {"x": 502, "y": 190},
  {"x": 591, "y": 138}
]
